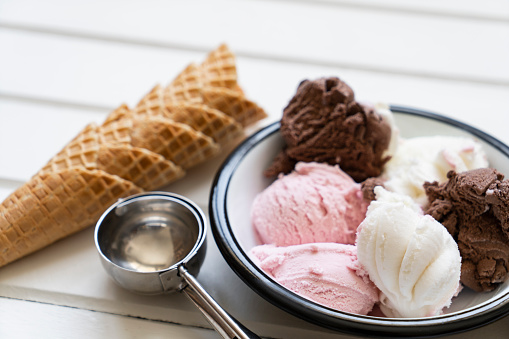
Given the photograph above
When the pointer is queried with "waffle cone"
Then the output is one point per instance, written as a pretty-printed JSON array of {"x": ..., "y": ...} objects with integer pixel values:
[
  {"x": 234, "y": 104},
  {"x": 219, "y": 69},
  {"x": 82, "y": 151},
  {"x": 156, "y": 95},
  {"x": 211, "y": 122},
  {"x": 222, "y": 128},
  {"x": 78, "y": 152},
  {"x": 176, "y": 142},
  {"x": 213, "y": 83},
  {"x": 117, "y": 131},
  {"x": 121, "y": 113},
  {"x": 186, "y": 87},
  {"x": 51, "y": 206},
  {"x": 142, "y": 167},
  {"x": 108, "y": 148}
]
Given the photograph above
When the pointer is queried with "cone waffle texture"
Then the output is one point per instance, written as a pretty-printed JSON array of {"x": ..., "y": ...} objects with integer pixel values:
[
  {"x": 173, "y": 128},
  {"x": 219, "y": 69},
  {"x": 175, "y": 141},
  {"x": 215, "y": 124},
  {"x": 228, "y": 101},
  {"x": 53, "y": 205},
  {"x": 186, "y": 87},
  {"x": 233, "y": 104},
  {"x": 142, "y": 167},
  {"x": 222, "y": 128},
  {"x": 214, "y": 84}
]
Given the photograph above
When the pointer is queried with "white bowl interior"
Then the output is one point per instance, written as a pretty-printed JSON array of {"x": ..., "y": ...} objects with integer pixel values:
[{"x": 248, "y": 180}]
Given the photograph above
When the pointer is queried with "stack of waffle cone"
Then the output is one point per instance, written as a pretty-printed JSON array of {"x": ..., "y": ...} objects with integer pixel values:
[
  {"x": 213, "y": 84},
  {"x": 140, "y": 166},
  {"x": 175, "y": 141},
  {"x": 172, "y": 129},
  {"x": 215, "y": 124}
]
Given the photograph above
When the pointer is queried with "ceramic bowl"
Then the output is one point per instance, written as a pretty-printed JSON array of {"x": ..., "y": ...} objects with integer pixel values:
[{"x": 240, "y": 179}]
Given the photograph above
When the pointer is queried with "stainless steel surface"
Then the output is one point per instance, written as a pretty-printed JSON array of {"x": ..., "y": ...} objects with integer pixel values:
[
  {"x": 222, "y": 321},
  {"x": 153, "y": 243}
]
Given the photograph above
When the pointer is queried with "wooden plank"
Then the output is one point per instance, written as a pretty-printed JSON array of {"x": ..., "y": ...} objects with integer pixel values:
[
  {"x": 31, "y": 134},
  {"x": 83, "y": 72},
  {"x": 53, "y": 321},
  {"x": 357, "y": 38}
]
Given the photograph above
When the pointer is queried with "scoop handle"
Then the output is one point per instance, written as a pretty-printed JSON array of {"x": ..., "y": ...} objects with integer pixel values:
[{"x": 223, "y": 323}]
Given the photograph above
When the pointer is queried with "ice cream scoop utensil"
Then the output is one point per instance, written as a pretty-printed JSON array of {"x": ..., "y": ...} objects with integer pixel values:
[{"x": 153, "y": 243}]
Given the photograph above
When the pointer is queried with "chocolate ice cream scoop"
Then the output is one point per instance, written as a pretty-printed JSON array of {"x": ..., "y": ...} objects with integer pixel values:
[
  {"x": 323, "y": 123},
  {"x": 473, "y": 206}
]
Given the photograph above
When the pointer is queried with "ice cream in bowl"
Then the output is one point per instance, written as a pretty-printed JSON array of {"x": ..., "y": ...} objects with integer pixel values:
[{"x": 373, "y": 220}]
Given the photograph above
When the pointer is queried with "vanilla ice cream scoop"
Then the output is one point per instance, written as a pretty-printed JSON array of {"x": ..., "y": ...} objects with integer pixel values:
[
  {"x": 422, "y": 159},
  {"x": 409, "y": 256}
]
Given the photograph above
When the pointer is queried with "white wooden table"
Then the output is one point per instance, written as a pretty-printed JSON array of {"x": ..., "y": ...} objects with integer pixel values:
[{"x": 64, "y": 64}]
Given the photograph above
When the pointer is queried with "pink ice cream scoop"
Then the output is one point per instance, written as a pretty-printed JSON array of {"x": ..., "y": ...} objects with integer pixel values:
[
  {"x": 315, "y": 203},
  {"x": 327, "y": 273}
]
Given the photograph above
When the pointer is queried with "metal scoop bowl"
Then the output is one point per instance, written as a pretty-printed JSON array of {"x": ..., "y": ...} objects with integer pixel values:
[{"x": 153, "y": 243}]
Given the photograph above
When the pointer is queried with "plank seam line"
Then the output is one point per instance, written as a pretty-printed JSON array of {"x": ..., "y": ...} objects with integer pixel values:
[
  {"x": 491, "y": 18},
  {"x": 11, "y": 183},
  {"x": 98, "y": 109},
  {"x": 115, "y": 314},
  {"x": 106, "y": 312}
]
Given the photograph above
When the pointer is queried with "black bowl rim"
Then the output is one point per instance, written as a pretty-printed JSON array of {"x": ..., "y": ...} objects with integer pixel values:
[{"x": 298, "y": 306}]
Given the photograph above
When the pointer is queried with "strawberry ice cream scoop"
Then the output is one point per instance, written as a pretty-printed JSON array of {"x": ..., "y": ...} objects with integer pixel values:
[
  {"x": 327, "y": 273},
  {"x": 315, "y": 203}
]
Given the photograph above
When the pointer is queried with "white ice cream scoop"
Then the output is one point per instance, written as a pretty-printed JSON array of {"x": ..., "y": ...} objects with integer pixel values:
[{"x": 409, "y": 256}]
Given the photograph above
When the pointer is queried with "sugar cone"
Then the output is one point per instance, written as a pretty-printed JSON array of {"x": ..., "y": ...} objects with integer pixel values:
[
  {"x": 234, "y": 104},
  {"x": 219, "y": 69},
  {"x": 213, "y": 83},
  {"x": 155, "y": 96},
  {"x": 176, "y": 142},
  {"x": 51, "y": 206},
  {"x": 222, "y": 128},
  {"x": 120, "y": 113},
  {"x": 116, "y": 127},
  {"x": 109, "y": 148},
  {"x": 186, "y": 87},
  {"x": 79, "y": 152},
  {"x": 142, "y": 167},
  {"x": 82, "y": 151},
  {"x": 116, "y": 131},
  {"x": 211, "y": 122},
  {"x": 230, "y": 102}
]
